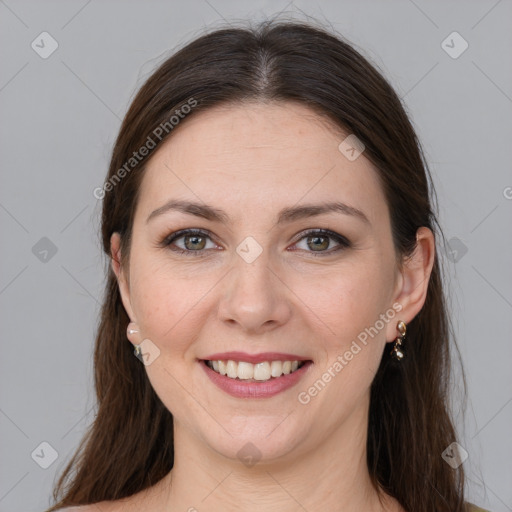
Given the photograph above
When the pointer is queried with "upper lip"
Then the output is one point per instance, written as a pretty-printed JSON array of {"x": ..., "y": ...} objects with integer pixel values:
[{"x": 254, "y": 358}]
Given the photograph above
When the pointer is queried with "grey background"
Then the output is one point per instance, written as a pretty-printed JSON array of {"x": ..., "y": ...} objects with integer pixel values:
[{"x": 60, "y": 116}]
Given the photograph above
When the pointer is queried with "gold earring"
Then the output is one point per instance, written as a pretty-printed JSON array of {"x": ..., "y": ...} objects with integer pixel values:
[
  {"x": 396, "y": 351},
  {"x": 133, "y": 334},
  {"x": 137, "y": 352}
]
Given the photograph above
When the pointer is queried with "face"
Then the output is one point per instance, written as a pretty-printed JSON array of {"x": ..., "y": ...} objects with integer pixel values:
[{"x": 261, "y": 279}]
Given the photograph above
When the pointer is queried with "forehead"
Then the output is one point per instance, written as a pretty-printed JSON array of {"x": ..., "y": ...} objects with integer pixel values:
[{"x": 259, "y": 156}]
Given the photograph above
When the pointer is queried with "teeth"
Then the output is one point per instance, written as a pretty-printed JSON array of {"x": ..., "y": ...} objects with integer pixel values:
[
  {"x": 232, "y": 369},
  {"x": 222, "y": 368},
  {"x": 262, "y": 371},
  {"x": 259, "y": 371},
  {"x": 245, "y": 370},
  {"x": 276, "y": 368}
]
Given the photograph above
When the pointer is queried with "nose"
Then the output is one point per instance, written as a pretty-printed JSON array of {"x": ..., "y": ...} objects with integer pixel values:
[{"x": 254, "y": 297}]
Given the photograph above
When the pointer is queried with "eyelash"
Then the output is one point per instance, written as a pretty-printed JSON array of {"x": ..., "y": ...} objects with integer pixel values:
[{"x": 167, "y": 241}]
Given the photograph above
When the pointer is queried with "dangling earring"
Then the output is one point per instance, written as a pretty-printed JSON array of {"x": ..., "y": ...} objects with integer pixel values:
[
  {"x": 131, "y": 333},
  {"x": 137, "y": 352},
  {"x": 396, "y": 351}
]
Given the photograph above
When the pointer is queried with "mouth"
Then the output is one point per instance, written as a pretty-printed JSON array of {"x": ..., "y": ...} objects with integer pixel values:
[
  {"x": 262, "y": 378},
  {"x": 259, "y": 372}
]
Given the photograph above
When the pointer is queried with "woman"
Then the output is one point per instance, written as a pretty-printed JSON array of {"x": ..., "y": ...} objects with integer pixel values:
[{"x": 268, "y": 217}]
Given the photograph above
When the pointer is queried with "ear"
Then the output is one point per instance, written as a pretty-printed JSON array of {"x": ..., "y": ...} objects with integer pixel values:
[
  {"x": 414, "y": 277},
  {"x": 122, "y": 278}
]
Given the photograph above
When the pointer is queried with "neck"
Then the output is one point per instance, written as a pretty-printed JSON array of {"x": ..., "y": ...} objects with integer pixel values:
[{"x": 333, "y": 475}]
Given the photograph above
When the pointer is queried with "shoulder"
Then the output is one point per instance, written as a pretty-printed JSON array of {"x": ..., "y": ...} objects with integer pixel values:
[
  {"x": 142, "y": 500},
  {"x": 128, "y": 504},
  {"x": 103, "y": 506},
  {"x": 473, "y": 508}
]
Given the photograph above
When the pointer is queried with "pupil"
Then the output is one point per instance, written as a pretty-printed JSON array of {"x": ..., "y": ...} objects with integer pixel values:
[
  {"x": 194, "y": 241},
  {"x": 321, "y": 246}
]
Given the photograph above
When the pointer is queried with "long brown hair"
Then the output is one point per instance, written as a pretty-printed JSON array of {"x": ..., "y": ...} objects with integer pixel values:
[{"x": 129, "y": 446}]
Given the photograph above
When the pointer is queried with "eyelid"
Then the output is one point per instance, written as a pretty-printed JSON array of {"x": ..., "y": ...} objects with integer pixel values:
[
  {"x": 325, "y": 232},
  {"x": 176, "y": 235},
  {"x": 343, "y": 242}
]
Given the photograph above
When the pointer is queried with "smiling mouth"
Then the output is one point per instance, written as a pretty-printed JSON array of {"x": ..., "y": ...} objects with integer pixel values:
[{"x": 259, "y": 372}]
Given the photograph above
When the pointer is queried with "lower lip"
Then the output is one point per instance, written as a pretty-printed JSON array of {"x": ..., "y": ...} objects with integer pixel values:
[{"x": 265, "y": 389}]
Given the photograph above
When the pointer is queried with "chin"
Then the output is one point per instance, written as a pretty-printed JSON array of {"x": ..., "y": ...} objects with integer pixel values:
[{"x": 257, "y": 439}]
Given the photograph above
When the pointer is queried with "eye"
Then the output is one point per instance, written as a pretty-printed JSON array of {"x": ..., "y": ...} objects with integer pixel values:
[
  {"x": 195, "y": 241},
  {"x": 319, "y": 241}
]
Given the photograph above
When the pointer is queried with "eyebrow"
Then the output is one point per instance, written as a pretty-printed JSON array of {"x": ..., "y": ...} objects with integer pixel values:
[{"x": 286, "y": 215}]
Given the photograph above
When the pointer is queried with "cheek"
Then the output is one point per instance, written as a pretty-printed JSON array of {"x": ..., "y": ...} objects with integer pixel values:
[
  {"x": 354, "y": 302},
  {"x": 354, "y": 298},
  {"x": 164, "y": 306}
]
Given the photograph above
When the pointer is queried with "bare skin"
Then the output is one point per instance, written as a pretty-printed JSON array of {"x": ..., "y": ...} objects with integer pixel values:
[{"x": 296, "y": 297}]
